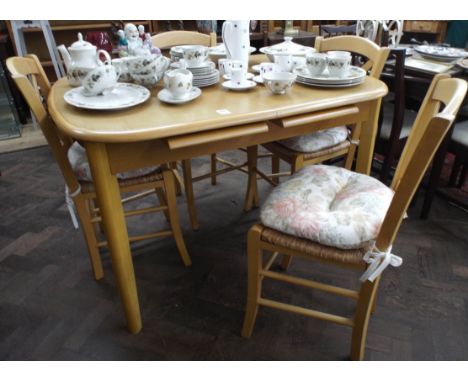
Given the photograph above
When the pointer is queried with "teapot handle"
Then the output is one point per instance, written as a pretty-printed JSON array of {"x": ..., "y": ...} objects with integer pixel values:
[
  {"x": 226, "y": 25},
  {"x": 108, "y": 60}
]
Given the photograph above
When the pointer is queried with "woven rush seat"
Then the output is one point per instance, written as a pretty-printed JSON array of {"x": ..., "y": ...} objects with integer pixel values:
[
  {"x": 317, "y": 141},
  {"x": 87, "y": 186},
  {"x": 313, "y": 249},
  {"x": 329, "y": 205}
]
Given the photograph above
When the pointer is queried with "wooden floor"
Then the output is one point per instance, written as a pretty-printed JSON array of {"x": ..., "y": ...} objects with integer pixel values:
[{"x": 52, "y": 309}]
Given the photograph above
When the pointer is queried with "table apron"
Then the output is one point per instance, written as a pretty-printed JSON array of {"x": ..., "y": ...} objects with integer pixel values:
[{"x": 133, "y": 155}]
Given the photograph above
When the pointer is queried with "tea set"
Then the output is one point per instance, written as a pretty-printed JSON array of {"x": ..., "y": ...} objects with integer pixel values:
[{"x": 141, "y": 65}]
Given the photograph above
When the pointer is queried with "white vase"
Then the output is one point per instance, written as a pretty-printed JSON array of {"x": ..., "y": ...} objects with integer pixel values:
[{"x": 236, "y": 39}]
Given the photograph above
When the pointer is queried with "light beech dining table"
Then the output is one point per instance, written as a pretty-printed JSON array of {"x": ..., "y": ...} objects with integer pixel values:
[{"x": 156, "y": 133}]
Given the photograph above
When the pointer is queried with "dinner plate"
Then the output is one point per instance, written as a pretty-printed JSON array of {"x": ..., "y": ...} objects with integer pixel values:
[
  {"x": 219, "y": 51},
  {"x": 245, "y": 86},
  {"x": 321, "y": 85},
  {"x": 165, "y": 96},
  {"x": 308, "y": 80},
  {"x": 354, "y": 73},
  {"x": 124, "y": 95}
]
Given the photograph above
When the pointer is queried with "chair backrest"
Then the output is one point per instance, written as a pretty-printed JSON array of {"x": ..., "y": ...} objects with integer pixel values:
[
  {"x": 375, "y": 54},
  {"x": 427, "y": 133},
  {"x": 30, "y": 78},
  {"x": 169, "y": 39}
]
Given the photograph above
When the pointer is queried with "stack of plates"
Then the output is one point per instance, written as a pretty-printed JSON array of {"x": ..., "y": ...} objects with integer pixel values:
[
  {"x": 355, "y": 76},
  {"x": 203, "y": 75}
]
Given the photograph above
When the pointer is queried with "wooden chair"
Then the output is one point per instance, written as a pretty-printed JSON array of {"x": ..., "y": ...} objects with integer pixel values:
[
  {"x": 33, "y": 84},
  {"x": 167, "y": 40},
  {"x": 456, "y": 144},
  {"x": 429, "y": 130},
  {"x": 347, "y": 143},
  {"x": 395, "y": 120}
]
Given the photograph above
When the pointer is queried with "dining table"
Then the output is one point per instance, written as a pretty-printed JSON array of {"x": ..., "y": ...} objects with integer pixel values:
[{"x": 156, "y": 133}]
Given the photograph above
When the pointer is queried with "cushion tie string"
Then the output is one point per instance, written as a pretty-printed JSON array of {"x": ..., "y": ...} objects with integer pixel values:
[
  {"x": 378, "y": 262},
  {"x": 69, "y": 202}
]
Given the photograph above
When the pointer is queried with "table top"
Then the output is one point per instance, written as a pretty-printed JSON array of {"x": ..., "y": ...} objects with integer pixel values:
[{"x": 154, "y": 119}]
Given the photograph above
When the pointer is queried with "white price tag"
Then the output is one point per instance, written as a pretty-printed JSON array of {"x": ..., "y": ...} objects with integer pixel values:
[{"x": 223, "y": 111}]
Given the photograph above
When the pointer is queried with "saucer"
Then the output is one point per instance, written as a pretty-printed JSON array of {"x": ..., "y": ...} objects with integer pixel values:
[
  {"x": 244, "y": 86},
  {"x": 165, "y": 96},
  {"x": 248, "y": 76},
  {"x": 256, "y": 68},
  {"x": 258, "y": 79}
]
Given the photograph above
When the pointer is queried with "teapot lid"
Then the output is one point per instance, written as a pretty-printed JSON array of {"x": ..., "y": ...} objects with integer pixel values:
[{"x": 81, "y": 44}]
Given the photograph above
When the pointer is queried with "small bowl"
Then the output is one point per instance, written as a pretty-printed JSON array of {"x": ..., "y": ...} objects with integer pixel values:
[{"x": 278, "y": 82}]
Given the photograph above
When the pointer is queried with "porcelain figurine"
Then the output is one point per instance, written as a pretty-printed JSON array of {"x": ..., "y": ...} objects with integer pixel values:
[
  {"x": 135, "y": 43},
  {"x": 123, "y": 44}
]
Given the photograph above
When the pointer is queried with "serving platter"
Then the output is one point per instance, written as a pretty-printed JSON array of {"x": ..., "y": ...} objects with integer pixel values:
[
  {"x": 441, "y": 53},
  {"x": 123, "y": 96}
]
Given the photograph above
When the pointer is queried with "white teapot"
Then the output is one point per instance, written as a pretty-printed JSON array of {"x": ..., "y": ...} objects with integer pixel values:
[{"x": 80, "y": 59}]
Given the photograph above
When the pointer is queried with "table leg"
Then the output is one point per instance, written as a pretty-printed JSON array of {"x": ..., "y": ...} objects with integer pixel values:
[
  {"x": 367, "y": 139},
  {"x": 251, "y": 197},
  {"x": 108, "y": 195}
]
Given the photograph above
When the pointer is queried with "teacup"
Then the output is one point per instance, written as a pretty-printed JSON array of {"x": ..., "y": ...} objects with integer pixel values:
[
  {"x": 284, "y": 62},
  {"x": 267, "y": 67},
  {"x": 316, "y": 63},
  {"x": 338, "y": 63},
  {"x": 195, "y": 55},
  {"x": 298, "y": 62},
  {"x": 238, "y": 77},
  {"x": 224, "y": 66},
  {"x": 279, "y": 82},
  {"x": 101, "y": 79},
  {"x": 178, "y": 82}
]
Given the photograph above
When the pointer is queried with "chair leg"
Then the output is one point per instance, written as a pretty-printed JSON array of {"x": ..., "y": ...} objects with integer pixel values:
[
  {"x": 297, "y": 163},
  {"x": 251, "y": 197},
  {"x": 275, "y": 168},
  {"x": 463, "y": 175},
  {"x": 174, "y": 216},
  {"x": 254, "y": 286},
  {"x": 178, "y": 185},
  {"x": 213, "y": 169},
  {"x": 364, "y": 307},
  {"x": 286, "y": 262},
  {"x": 90, "y": 236},
  {"x": 355, "y": 132},
  {"x": 455, "y": 171},
  {"x": 162, "y": 201},
  {"x": 188, "y": 184}
]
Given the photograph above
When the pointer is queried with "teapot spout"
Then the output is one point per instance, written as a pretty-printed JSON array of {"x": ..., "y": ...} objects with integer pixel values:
[{"x": 65, "y": 56}]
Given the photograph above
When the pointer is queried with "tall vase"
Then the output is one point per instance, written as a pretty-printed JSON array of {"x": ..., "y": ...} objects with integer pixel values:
[{"x": 236, "y": 39}]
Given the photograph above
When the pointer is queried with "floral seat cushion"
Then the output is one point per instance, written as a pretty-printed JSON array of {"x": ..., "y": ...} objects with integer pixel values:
[
  {"x": 328, "y": 205},
  {"x": 80, "y": 165},
  {"x": 317, "y": 141}
]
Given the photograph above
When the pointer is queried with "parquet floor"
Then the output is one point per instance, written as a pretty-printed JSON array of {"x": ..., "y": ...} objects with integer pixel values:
[{"x": 52, "y": 309}]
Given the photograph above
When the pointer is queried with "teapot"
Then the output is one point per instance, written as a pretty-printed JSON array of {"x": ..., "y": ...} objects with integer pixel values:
[{"x": 80, "y": 59}]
